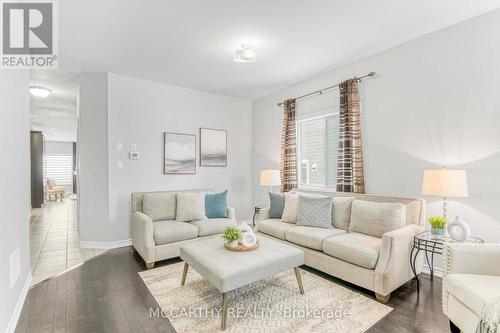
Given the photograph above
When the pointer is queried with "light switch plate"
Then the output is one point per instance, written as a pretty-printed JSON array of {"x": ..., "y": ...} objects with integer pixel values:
[
  {"x": 133, "y": 147},
  {"x": 119, "y": 164},
  {"x": 119, "y": 146}
]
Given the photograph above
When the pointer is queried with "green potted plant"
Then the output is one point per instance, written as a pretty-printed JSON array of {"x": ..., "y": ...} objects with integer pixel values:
[
  {"x": 231, "y": 236},
  {"x": 438, "y": 224}
]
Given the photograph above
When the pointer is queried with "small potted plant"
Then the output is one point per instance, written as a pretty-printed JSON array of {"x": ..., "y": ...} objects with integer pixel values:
[
  {"x": 438, "y": 224},
  {"x": 231, "y": 236}
]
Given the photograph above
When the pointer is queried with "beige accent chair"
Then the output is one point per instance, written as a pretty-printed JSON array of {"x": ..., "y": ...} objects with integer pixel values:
[
  {"x": 471, "y": 277},
  {"x": 51, "y": 189},
  {"x": 156, "y": 235},
  {"x": 375, "y": 261}
]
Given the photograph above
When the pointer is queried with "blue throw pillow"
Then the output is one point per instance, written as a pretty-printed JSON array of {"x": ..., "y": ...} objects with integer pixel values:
[
  {"x": 277, "y": 205},
  {"x": 216, "y": 205}
]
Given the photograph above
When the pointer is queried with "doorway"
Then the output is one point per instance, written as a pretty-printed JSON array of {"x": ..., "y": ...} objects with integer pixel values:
[{"x": 54, "y": 241}]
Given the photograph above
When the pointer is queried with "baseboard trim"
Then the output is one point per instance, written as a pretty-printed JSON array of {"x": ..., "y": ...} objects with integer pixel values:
[
  {"x": 11, "y": 327},
  {"x": 105, "y": 245}
]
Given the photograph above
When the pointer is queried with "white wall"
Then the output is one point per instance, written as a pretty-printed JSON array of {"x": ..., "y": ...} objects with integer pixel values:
[
  {"x": 434, "y": 102},
  {"x": 14, "y": 192},
  {"x": 93, "y": 216},
  {"x": 138, "y": 112}
]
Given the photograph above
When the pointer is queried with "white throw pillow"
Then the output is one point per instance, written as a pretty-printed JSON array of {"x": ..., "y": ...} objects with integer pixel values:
[
  {"x": 291, "y": 208},
  {"x": 376, "y": 218},
  {"x": 190, "y": 206}
]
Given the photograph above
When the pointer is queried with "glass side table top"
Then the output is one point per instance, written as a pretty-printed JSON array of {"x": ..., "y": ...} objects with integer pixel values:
[{"x": 426, "y": 236}]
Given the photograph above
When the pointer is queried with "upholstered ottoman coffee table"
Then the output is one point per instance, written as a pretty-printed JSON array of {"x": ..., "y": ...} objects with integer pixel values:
[{"x": 228, "y": 270}]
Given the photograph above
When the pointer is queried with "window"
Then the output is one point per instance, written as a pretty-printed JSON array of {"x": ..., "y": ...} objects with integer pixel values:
[
  {"x": 317, "y": 144},
  {"x": 58, "y": 167}
]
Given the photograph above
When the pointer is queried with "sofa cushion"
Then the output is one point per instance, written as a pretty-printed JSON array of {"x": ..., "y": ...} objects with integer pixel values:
[
  {"x": 473, "y": 290},
  {"x": 159, "y": 206},
  {"x": 276, "y": 205},
  {"x": 216, "y": 205},
  {"x": 358, "y": 249},
  {"x": 315, "y": 212},
  {"x": 310, "y": 237},
  {"x": 190, "y": 206},
  {"x": 274, "y": 227},
  {"x": 172, "y": 231},
  {"x": 341, "y": 212},
  {"x": 211, "y": 226},
  {"x": 376, "y": 218},
  {"x": 291, "y": 207}
]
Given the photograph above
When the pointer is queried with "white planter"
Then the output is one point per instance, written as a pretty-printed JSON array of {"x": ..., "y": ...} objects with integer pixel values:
[{"x": 232, "y": 244}]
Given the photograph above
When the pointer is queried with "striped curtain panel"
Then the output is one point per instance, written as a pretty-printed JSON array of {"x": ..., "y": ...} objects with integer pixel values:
[
  {"x": 350, "y": 172},
  {"x": 288, "y": 163}
]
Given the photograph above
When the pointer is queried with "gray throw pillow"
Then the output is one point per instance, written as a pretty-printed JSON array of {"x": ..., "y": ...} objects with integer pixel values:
[
  {"x": 277, "y": 204},
  {"x": 315, "y": 212}
]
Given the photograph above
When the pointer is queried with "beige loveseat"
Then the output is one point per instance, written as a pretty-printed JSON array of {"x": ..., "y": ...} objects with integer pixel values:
[
  {"x": 471, "y": 280},
  {"x": 156, "y": 235},
  {"x": 377, "y": 262}
]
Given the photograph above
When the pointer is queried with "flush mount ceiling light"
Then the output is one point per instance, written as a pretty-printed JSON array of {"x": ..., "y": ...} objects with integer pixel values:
[
  {"x": 245, "y": 54},
  {"x": 39, "y": 91}
]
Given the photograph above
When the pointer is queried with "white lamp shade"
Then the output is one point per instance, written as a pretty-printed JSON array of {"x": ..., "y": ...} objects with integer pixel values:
[
  {"x": 270, "y": 178},
  {"x": 445, "y": 183}
]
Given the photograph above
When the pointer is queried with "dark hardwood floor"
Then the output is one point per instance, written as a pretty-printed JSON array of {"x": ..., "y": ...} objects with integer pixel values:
[{"x": 106, "y": 294}]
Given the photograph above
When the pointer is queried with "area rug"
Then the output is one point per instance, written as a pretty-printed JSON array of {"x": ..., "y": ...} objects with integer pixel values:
[{"x": 270, "y": 305}]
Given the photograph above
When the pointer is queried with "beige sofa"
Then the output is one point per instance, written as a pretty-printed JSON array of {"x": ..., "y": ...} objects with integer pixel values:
[
  {"x": 156, "y": 235},
  {"x": 471, "y": 278},
  {"x": 379, "y": 263}
]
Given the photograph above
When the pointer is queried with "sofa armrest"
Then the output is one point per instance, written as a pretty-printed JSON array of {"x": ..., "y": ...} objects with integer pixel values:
[
  {"x": 231, "y": 213},
  {"x": 142, "y": 236},
  {"x": 263, "y": 214},
  {"x": 393, "y": 267},
  {"x": 470, "y": 258}
]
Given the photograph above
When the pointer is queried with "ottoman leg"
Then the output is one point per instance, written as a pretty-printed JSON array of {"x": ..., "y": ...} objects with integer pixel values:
[
  {"x": 184, "y": 273},
  {"x": 223, "y": 317},
  {"x": 299, "y": 280}
]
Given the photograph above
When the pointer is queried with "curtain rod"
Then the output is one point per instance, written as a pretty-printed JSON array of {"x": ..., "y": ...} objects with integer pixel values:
[{"x": 319, "y": 92}]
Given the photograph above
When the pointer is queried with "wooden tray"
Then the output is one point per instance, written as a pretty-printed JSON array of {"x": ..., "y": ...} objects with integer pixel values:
[{"x": 241, "y": 248}]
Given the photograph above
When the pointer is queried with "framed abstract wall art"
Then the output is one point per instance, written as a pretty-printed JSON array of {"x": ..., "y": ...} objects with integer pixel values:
[
  {"x": 179, "y": 153},
  {"x": 213, "y": 147}
]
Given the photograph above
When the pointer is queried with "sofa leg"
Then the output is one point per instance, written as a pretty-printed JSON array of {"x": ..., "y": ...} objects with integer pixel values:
[
  {"x": 383, "y": 298},
  {"x": 454, "y": 328},
  {"x": 150, "y": 265}
]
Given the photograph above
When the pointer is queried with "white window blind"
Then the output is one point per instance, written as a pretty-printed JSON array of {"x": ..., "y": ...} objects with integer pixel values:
[
  {"x": 58, "y": 167},
  {"x": 317, "y": 142}
]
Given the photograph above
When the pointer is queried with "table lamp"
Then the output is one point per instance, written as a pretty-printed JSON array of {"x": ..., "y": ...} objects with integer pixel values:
[
  {"x": 445, "y": 183},
  {"x": 270, "y": 178}
]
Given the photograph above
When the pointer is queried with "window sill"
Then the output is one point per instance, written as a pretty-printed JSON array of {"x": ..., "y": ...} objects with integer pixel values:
[{"x": 316, "y": 189}]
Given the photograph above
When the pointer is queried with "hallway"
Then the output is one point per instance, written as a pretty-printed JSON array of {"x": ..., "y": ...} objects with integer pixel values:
[{"x": 54, "y": 240}]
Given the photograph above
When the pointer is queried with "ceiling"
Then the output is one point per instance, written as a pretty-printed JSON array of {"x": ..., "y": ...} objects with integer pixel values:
[
  {"x": 55, "y": 115},
  {"x": 192, "y": 43}
]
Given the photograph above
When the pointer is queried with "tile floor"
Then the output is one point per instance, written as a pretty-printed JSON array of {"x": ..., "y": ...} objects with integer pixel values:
[{"x": 55, "y": 246}]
